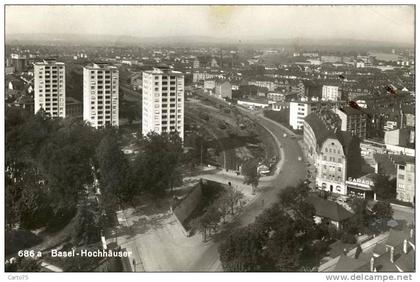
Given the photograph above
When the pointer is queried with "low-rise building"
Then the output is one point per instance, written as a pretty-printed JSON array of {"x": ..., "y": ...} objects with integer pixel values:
[
  {"x": 254, "y": 103},
  {"x": 330, "y": 212},
  {"x": 223, "y": 89},
  {"x": 276, "y": 97},
  {"x": 406, "y": 168},
  {"x": 278, "y": 106},
  {"x": 399, "y": 137},
  {"x": 396, "y": 254}
]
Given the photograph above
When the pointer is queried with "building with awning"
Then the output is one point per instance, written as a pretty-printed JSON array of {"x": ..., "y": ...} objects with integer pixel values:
[{"x": 362, "y": 187}]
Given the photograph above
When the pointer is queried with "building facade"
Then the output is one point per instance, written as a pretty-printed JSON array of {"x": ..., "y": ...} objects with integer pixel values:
[
  {"x": 405, "y": 179},
  {"x": 163, "y": 101},
  {"x": 332, "y": 167},
  {"x": 331, "y": 93},
  {"x": 50, "y": 88},
  {"x": 101, "y": 95},
  {"x": 223, "y": 89},
  {"x": 298, "y": 111},
  {"x": 352, "y": 120},
  {"x": 276, "y": 97}
]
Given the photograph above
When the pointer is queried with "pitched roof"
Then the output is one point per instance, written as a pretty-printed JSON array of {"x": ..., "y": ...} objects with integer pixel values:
[
  {"x": 351, "y": 111},
  {"x": 379, "y": 249},
  {"x": 403, "y": 159},
  {"x": 406, "y": 261},
  {"x": 345, "y": 138},
  {"x": 396, "y": 238},
  {"x": 318, "y": 127},
  {"x": 329, "y": 209}
]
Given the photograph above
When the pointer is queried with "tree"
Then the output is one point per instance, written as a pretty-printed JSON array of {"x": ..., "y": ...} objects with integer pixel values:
[
  {"x": 286, "y": 238},
  {"x": 249, "y": 170},
  {"x": 223, "y": 205},
  {"x": 24, "y": 265},
  {"x": 86, "y": 229},
  {"x": 233, "y": 197},
  {"x": 210, "y": 219},
  {"x": 47, "y": 166},
  {"x": 243, "y": 251},
  {"x": 157, "y": 167},
  {"x": 113, "y": 170},
  {"x": 383, "y": 210},
  {"x": 385, "y": 188}
]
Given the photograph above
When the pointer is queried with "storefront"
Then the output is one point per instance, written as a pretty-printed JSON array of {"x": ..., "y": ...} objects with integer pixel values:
[{"x": 362, "y": 188}]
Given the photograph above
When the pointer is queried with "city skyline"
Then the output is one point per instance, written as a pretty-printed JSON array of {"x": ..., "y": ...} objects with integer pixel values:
[{"x": 222, "y": 22}]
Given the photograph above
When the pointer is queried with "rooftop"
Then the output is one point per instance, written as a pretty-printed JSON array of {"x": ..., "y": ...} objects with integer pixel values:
[
  {"x": 329, "y": 209},
  {"x": 164, "y": 70},
  {"x": 350, "y": 111},
  {"x": 318, "y": 127},
  {"x": 98, "y": 66},
  {"x": 47, "y": 62}
]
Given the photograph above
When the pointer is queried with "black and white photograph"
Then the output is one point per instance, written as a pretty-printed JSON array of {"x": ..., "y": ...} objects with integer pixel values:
[{"x": 209, "y": 138}]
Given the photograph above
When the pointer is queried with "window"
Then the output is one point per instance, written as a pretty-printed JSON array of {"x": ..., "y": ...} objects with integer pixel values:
[
  {"x": 401, "y": 176},
  {"x": 401, "y": 167}
]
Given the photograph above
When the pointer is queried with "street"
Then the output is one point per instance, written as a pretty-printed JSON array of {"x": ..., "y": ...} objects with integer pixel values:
[
  {"x": 289, "y": 174},
  {"x": 159, "y": 244}
]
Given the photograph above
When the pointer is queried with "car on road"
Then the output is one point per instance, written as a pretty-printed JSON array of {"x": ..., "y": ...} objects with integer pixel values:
[
  {"x": 299, "y": 158},
  {"x": 284, "y": 135}
]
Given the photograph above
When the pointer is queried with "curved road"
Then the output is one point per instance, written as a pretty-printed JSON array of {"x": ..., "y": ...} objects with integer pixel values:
[{"x": 292, "y": 172}]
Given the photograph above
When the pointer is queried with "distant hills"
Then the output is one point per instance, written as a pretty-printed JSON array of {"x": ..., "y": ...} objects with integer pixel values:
[{"x": 125, "y": 40}]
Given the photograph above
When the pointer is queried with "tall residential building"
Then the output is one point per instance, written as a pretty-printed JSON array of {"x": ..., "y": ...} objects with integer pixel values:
[
  {"x": 331, "y": 93},
  {"x": 50, "y": 88},
  {"x": 100, "y": 95},
  {"x": 163, "y": 101},
  {"x": 298, "y": 111}
]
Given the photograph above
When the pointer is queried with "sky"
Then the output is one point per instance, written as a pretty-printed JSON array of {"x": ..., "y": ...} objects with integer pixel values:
[{"x": 369, "y": 22}]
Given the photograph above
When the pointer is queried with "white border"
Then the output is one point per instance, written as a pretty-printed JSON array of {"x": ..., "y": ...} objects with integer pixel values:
[{"x": 204, "y": 277}]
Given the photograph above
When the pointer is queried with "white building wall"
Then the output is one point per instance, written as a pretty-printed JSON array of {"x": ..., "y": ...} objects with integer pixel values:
[
  {"x": 50, "y": 88},
  {"x": 101, "y": 95},
  {"x": 331, "y": 93},
  {"x": 163, "y": 102},
  {"x": 298, "y": 112}
]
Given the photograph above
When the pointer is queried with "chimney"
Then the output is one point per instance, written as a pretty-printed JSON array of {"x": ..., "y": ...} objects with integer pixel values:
[
  {"x": 372, "y": 264},
  {"x": 391, "y": 253},
  {"x": 405, "y": 246}
]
